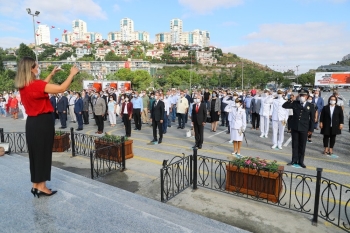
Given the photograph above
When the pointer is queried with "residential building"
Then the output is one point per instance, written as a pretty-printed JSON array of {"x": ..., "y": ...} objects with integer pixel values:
[
  {"x": 155, "y": 53},
  {"x": 177, "y": 35},
  {"x": 79, "y": 28},
  {"x": 205, "y": 57},
  {"x": 42, "y": 35},
  {"x": 92, "y": 36},
  {"x": 127, "y": 32},
  {"x": 80, "y": 52}
]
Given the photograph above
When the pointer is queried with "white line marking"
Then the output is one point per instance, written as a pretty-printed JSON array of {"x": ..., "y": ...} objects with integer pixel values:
[
  {"x": 288, "y": 141},
  {"x": 217, "y": 133}
]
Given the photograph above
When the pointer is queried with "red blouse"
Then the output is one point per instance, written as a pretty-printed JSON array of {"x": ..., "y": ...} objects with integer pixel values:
[{"x": 34, "y": 98}]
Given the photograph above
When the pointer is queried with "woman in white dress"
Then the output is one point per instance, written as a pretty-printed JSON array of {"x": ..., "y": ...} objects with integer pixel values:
[{"x": 238, "y": 124}]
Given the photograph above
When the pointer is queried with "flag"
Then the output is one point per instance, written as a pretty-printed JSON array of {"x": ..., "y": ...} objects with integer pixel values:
[
  {"x": 37, "y": 34},
  {"x": 52, "y": 27},
  {"x": 87, "y": 36},
  {"x": 64, "y": 31},
  {"x": 56, "y": 39},
  {"x": 37, "y": 22}
]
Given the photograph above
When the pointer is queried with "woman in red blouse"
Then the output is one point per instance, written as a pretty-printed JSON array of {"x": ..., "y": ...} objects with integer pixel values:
[
  {"x": 40, "y": 128},
  {"x": 14, "y": 107}
]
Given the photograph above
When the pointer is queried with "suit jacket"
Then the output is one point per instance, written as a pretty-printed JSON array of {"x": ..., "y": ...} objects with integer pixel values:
[
  {"x": 62, "y": 104},
  {"x": 201, "y": 116},
  {"x": 217, "y": 105},
  {"x": 129, "y": 109},
  {"x": 100, "y": 107},
  {"x": 86, "y": 103},
  {"x": 319, "y": 104},
  {"x": 78, "y": 106},
  {"x": 157, "y": 111},
  {"x": 303, "y": 116},
  {"x": 337, "y": 119},
  {"x": 255, "y": 105},
  {"x": 53, "y": 102}
]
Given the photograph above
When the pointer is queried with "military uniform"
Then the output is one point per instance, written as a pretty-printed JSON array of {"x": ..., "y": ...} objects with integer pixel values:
[{"x": 302, "y": 123}]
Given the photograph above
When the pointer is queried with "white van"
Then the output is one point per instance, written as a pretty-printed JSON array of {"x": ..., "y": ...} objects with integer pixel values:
[{"x": 297, "y": 87}]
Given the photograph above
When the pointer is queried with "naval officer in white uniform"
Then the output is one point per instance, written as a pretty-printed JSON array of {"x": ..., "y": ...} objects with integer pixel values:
[
  {"x": 265, "y": 113},
  {"x": 279, "y": 120}
]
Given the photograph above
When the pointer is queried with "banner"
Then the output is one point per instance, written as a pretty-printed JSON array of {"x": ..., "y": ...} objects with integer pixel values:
[
  {"x": 332, "y": 78},
  {"x": 96, "y": 85}
]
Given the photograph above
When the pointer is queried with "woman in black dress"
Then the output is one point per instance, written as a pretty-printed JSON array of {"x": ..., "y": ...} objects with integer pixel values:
[
  {"x": 214, "y": 108},
  {"x": 331, "y": 124}
]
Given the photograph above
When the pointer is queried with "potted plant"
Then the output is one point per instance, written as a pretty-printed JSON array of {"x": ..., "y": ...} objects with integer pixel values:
[
  {"x": 114, "y": 152},
  {"x": 256, "y": 177},
  {"x": 61, "y": 141}
]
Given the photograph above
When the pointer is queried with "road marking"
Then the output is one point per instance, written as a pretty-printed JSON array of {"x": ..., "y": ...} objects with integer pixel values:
[
  {"x": 217, "y": 133},
  {"x": 287, "y": 142}
]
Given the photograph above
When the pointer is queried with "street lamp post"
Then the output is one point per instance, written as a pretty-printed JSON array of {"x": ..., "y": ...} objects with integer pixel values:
[
  {"x": 297, "y": 75},
  {"x": 35, "y": 14},
  {"x": 242, "y": 75}
]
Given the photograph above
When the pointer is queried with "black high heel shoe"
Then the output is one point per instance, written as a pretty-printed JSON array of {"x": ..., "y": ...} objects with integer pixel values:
[
  {"x": 39, "y": 193},
  {"x": 33, "y": 191}
]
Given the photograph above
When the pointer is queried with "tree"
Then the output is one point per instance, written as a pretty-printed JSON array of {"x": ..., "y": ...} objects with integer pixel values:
[
  {"x": 25, "y": 51},
  {"x": 5, "y": 82},
  {"x": 65, "y": 55},
  {"x": 2, "y": 67},
  {"x": 141, "y": 79},
  {"x": 123, "y": 74},
  {"x": 111, "y": 56}
]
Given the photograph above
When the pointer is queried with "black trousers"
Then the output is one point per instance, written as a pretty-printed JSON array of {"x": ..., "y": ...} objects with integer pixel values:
[
  {"x": 289, "y": 122},
  {"x": 127, "y": 124},
  {"x": 224, "y": 118},
  {"x": 198, "y": 133},
  {"x": 255, "y": 120},
  {"x": 156, "y": 124},
  {"x": 181, "y": 119},
  {"x": 86, "y": 117},
  {"x": 63, "y": 119},
  {"x": 329, "y": 140},
  {"x": 137, "y": 118},
  {"x": 40, "y": 132},
  {"x": 99, "y": 122},
  {"x": 298, "y": 146}
]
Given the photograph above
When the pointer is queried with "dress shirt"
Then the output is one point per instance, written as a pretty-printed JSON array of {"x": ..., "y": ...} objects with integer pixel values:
[
  {"x": 126, "y": 108},
  {"x": 137, "y": 103},
  {"x": 72, "y": 100},
  {"x": 332, "y": 110}
]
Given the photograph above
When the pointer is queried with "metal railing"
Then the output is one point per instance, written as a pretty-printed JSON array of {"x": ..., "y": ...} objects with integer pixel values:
[
  {"x": 102, "y": 160},
  {"x": 313, "y": 195}
]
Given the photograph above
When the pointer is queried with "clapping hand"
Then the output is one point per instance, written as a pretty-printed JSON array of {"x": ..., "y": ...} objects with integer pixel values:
[
  {"x": 74, "y": 70},
  {"x": 55, "y": 70}
]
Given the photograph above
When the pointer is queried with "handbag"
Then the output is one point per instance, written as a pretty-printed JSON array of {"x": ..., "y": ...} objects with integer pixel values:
[{"x": 208, "y": 119}]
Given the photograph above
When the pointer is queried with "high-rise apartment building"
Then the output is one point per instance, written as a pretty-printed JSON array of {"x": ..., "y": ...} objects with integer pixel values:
[
  {"x": 79, "y": 28},
  {"x": 42, "y": 35},
  {"x": 127, "y": 32},
  {"x": 80, "y": 33},
  {"x": 177, "y": 35}
]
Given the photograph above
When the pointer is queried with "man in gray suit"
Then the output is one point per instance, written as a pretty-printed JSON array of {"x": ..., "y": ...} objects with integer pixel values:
[
  {"x": 85, "y": 98},
  {"x": 255, "y": 106},
  {"x": 99, "y": 110}
]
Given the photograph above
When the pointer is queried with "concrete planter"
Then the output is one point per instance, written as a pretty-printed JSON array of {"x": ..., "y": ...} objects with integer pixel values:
[{"x": 261, "y": 184}]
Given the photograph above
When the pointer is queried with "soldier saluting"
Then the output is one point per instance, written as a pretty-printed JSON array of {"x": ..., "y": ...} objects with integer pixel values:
[{"x": 302, "y": 125}]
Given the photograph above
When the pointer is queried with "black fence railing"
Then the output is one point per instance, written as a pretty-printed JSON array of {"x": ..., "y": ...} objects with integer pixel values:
[
  {"x": 102, "y": 160},
  {"x": 314, "y": 195}
]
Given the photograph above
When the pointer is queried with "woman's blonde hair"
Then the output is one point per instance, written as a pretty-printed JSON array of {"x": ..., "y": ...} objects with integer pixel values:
[{"x": 24, "y": 72}]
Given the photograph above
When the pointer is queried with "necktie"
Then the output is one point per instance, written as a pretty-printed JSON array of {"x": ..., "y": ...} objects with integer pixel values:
[{"x": 197, "y": 108}]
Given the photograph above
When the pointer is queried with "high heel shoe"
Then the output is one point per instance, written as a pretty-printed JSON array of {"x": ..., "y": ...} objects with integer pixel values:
[
  {"x": 39, "y": 193},
  {"x": 33, "y": 191}
]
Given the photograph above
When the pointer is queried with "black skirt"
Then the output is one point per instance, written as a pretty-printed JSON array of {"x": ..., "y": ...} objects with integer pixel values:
[
  {"x": 214, "y": 116},
  {"x": 40, "y": 132}
]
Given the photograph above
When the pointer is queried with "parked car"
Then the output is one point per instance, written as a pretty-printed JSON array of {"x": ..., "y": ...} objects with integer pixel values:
[{"x": 326, "y": 89}]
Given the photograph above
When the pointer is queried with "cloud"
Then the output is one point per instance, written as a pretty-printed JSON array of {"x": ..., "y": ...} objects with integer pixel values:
[
  {"x": 10, "y": 26},
  {"x": 207, "y": 6},
  {"x": 12, "y": 42},
  {"x": 116, "y": 7},
  {"x": 62, "y": 11},
  {"x": 308, "y": 45}
]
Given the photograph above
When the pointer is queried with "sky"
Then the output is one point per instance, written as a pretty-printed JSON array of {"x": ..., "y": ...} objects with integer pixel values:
[{"x": 281, "y": 34}]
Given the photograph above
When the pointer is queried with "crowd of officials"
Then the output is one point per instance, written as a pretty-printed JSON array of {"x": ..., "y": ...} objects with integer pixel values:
[{"x": 300, "y": 113}]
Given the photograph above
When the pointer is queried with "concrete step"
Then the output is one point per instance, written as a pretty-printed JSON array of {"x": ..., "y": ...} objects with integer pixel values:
[{"x": 85, "y": 205}]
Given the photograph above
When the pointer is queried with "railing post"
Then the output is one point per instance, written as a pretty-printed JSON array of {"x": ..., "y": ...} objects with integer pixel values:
[
  {"x": 92, "y": 164},
  {"x": 72, "y": 139},
  {"x": 2, "y": 135},
  {"x": 195, "y": 168},
  {"x": 191, "y": 169},
  {"x": 161, "y": 185},
  {"x": 317, "y": 195},
  {"x": 123, "y": 154}
]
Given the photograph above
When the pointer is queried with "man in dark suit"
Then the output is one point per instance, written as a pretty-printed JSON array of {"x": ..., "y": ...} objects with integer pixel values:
[
  {"x": 302, "y": 126},
  {"x": 199, "y": 116},
  {"x": 53, "y": 103},
  {"x": 78, "y": 110},
  {"x": 62, "y": 106},
  {"x": 157, "y": 115},
  {"x": 319, "y": 104}
]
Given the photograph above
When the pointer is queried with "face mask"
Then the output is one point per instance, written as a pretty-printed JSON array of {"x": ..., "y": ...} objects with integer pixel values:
[
  {"x": 279, "y": 96},
  {"x": 157, "y": 97},
  {"x": 111, "y": 99},
  {"x": 152, "y": 97},
  {"x": 126, "y": 99},
  {"x": 316, "y": 95},
  {"x": 234, "y": 98},
  {"x": 302, "y": 99},
  {"x": 141, "y": 95},
  {"x": 224, "y": 95},
  {"x": 264, "y": 95},
  {"x": 238, "y": 105},
  {"x": 332, "y": 102},
  {"x": 198, "y": 101},
  {"x": 214, "y": 95},
  {"x": 167, "y": 96},
  {"x": 161, "y": 98},
  {"x": 309, "y": 101},
  {"x": 38, "y": 74}
]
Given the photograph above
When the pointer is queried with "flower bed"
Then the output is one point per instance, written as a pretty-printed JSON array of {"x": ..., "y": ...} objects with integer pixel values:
[
  {"x": 61, "y": 142},
  {"x": 109, "y": 147}
]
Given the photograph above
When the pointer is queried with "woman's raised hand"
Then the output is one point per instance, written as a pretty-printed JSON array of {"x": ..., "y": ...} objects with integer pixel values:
[{"x": 74, "y": 70}]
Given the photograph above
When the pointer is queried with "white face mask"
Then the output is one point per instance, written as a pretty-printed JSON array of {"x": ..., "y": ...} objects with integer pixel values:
[
  {"x": 280, "y": 96},
  {"x": 126, "y": 99},
  {"x": 198, "y": 101},
  {"x": 309, "y": 101},
  {"x": 316, "y": 95},
  {"x": 238, "y": 105},
  {"x": 38, "y": 74},
  {"x": 234, "y": 98},
  {"x": 302, "y": 99},
  {"x": 332, "y": 102}
]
